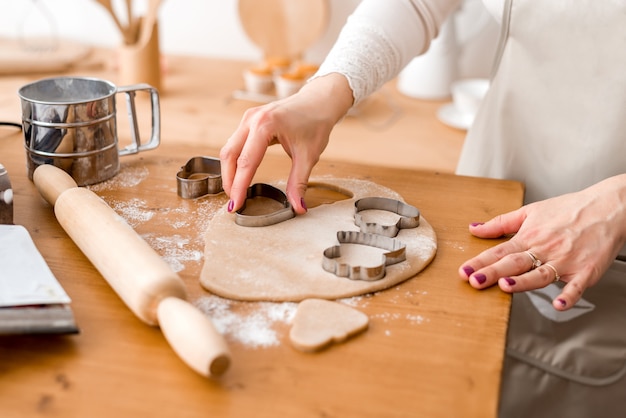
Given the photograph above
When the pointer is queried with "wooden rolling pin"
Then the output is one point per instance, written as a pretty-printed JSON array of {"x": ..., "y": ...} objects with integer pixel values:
[{"x": 143, "y": 280}]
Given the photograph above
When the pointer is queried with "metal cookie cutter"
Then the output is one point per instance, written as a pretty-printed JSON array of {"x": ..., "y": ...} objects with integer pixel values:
[
  {"x": 396, "y": 254},
  {"x": 200, "y": 176},
  {"x": 270, "y": 192},
  {"x": 409, "y": 215}
]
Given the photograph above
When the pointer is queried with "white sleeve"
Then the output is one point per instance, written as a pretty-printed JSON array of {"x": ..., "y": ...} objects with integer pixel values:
[{"x": 381, "y": 37}]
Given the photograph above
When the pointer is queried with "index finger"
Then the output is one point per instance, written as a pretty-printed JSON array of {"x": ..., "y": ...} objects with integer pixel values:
[
  {"x": 247, "y": 163},
  {"x": 488, "y": 258},
  {"x": 229, "y": 154}
]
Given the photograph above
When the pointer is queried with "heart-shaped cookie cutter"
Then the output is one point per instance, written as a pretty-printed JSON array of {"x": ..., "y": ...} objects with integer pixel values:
[
  {"x": 270, "y": 192},
  {"x": 396, "y": 253},
  {"x": 199, "y": 177},
  {"x": 409, "y": 215}
]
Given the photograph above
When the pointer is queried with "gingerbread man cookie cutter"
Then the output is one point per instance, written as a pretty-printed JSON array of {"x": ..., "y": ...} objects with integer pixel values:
[
  {"x": 373, "y": 234},
  {"x": 409, "y": 215},
  {"x": 199, "y": 177},
  {"x": 270, "y": 192},
  {"x": 396, "y": 252}
]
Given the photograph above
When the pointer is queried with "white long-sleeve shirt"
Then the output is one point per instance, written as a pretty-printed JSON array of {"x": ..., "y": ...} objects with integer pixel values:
[{"x": 382, "y": 36}]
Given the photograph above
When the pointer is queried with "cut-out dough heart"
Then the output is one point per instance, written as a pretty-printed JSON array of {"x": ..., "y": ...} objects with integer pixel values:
[{"x": 319, "y": 323}]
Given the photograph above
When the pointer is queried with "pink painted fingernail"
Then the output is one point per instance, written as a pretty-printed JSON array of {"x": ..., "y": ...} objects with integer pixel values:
[
  {"x": 231, "y": 205},
  {"x": 562, "y": 302},
  {"x": 476, "y": 224},
  {"x": 303, "y": 203},
  {"x": 510, "y": 281},
  {"x": 480, "y": 278}
]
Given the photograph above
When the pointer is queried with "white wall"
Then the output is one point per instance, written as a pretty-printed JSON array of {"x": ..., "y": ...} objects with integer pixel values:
[{"x": 198, "y": 27}]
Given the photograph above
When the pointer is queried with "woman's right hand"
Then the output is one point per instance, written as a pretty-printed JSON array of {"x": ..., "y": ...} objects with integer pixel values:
[{"x": 301, "y": 123}]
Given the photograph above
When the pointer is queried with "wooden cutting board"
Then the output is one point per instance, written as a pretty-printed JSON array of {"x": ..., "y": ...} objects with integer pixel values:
[{"x": 284, "y": 28}]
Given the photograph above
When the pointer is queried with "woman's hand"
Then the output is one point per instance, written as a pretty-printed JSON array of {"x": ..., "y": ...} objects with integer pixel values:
[
  {"x": 575, "y": 237},
  {"x": 300, "y": 123}
]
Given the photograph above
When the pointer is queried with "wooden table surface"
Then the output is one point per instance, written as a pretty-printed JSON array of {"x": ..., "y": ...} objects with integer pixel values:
[{"x": 434, "y": 347}]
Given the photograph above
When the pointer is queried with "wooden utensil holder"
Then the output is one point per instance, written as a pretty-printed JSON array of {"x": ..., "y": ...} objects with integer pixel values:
[{"x": 141, "y": 62}]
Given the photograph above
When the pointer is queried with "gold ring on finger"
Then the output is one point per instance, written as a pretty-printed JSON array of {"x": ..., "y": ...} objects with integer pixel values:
[
  {"x": 556, "y": 273},
  {"x": 536, "y": 262}
]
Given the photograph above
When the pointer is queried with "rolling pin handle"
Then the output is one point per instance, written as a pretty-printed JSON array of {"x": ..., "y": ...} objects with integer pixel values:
[
  {"x": 193, "y": 337},
  {"x": 51, "y": 181}
]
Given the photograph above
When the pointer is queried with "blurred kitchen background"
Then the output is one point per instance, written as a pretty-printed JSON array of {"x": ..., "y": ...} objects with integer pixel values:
[{"x": 212, "y": 28}]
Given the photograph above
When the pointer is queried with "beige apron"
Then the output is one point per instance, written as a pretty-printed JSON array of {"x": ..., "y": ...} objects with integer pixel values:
[
  {"x": 555, "y": 116},
  {"x": 555, "y": 119}
]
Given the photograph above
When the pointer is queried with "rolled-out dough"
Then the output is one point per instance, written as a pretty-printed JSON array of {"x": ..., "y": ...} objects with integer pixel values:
[{"x": 283, "y": 262}]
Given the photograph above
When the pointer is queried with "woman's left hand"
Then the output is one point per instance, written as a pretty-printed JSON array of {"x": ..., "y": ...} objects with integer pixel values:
[{"x": 573, "y": 238}]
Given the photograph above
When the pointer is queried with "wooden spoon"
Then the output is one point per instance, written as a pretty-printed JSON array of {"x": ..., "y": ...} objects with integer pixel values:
[
  {"x": 133, "y": 24},
  {"x": 148, "y": 21}
]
